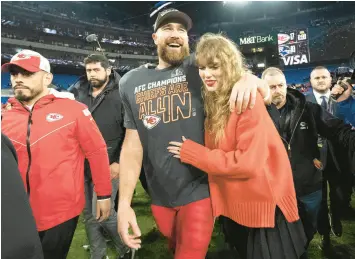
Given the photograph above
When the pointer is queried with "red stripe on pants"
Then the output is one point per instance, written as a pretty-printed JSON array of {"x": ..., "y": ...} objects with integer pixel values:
[{"x": 188, "y": 228}]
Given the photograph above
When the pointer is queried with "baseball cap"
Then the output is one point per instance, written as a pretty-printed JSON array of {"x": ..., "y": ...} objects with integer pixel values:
[
  {"x": 170, "y": 15},
  {"x": 29, "y": 60}
]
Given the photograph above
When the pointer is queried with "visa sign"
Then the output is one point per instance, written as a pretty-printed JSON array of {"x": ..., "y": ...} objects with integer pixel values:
[
  {"x": 255, "y": 39},
  {"x": 295, "y": 60}
]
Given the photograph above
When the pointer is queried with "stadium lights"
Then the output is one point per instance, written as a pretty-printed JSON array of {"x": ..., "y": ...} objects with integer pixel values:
[
  {"x": 237, "y": 2},
  {"x": 261, "y": 65}
]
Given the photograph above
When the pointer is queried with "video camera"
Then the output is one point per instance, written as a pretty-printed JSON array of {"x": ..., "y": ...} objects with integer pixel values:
[{"x": 342, "y": 73}]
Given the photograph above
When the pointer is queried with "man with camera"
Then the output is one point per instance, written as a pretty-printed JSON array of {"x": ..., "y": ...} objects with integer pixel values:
[
  {"x": 345, "y": 108},
  {"x": 335, "y": 165}
]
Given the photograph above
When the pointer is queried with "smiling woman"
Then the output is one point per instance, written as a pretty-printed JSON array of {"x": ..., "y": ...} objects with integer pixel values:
[
  {"x": 220, "y": 65},
  {"x": 249, "y": 173}
]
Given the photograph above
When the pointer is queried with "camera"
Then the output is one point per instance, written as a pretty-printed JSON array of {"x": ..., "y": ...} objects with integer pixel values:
[{"x": 342, "y": 73}]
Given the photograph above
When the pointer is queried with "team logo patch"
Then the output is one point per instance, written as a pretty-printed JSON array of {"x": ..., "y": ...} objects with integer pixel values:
[
  {"x": 21, "y": 56},
  {"x": 54, "y": 117},
  {"x": 177, "y": 72},
  {"x": 303, "y": 125},
  {"x": 86, "y": 112},
  {"x": 284, "y": 50},
  {"x": 150, "y": 121},
  {"x": 282, "y": 38}
]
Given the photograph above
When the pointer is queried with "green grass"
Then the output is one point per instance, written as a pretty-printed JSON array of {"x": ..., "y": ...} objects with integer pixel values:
[{"x": 155, "y": 247}]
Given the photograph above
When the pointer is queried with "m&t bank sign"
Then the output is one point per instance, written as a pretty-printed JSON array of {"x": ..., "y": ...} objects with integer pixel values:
[{"x": 255, "y": 39}]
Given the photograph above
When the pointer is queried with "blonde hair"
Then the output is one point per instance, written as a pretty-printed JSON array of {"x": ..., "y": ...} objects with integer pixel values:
[{"x": 209, "y": 48}]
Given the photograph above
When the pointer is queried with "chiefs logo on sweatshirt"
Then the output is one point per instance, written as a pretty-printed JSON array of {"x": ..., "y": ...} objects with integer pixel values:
[{"x": 150, "y": 121}]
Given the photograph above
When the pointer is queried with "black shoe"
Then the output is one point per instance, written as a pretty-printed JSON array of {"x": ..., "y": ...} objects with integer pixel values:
[
  {"x": 335, "y": 223},
  {"x": 325, "y": 243}
]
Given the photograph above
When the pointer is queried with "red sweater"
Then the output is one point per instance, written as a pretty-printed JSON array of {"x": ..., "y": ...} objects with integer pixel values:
[{"x": 249, "y": 172}]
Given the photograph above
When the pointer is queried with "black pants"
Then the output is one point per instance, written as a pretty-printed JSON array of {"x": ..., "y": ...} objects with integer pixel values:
[
  {"x": 235, "y": 235},
  {"x": 56, "y": 241},
  {"x": 348, "y": 182},
  {"x": 336, "y": 197}
]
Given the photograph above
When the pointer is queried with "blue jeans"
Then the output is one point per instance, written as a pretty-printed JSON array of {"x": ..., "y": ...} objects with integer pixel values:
[
  {"x": 309, "y": 206},
  {"x": 94, "y": 228}
]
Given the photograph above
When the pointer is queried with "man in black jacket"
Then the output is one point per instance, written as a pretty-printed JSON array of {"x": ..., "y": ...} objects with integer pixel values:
[
  {"x": 299, "y": 123},
  {"x": 336, "y": 166},
  {"x": 19, "y": 236},
  {"x": 99, "y": 91}
]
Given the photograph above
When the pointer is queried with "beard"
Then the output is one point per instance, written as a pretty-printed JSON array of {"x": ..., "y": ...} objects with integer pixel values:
[
  {"x": 97, "y": 83},
  {"x": 277, "y": 99},
  {"x": 21, "y": 95},
  {"x": 172, "y": 57}
]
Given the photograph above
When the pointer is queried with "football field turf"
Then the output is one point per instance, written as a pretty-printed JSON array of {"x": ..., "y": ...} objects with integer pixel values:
[{"x": 154, "y": 245}]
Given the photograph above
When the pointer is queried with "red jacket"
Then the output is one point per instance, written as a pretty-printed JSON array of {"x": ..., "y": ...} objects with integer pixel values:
[
  {"x": 249, "y": 172},
  {"x": 61, "y": 134}
]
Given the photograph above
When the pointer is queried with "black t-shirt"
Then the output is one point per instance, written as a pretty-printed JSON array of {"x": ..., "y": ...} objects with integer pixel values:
[
  {"x": 107, "y": 111},
  {"x": 164, "y": 105}
]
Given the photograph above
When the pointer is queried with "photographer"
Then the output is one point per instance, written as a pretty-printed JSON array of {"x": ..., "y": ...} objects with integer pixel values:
[
  {"x": 345, "y": 108},
  {"x": 335, "y": 164}
]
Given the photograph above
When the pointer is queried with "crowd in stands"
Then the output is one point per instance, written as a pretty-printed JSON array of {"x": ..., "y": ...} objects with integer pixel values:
[
  {"x": 74, "y": 37},
  {"x": 72, "y": 59},
  {"x": 81, "y": 12},
  {"x": 72, "y": 33},
  {"x": 337, "y": 41},
  {"x": 331, "y": 31},
  {"x": 303, "y": 88}
]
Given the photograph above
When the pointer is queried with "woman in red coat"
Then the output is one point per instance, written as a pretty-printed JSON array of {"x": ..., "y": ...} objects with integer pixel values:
[{"x": 249, "y": 172}]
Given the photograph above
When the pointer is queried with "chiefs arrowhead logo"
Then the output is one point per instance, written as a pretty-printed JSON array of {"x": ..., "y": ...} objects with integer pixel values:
[
  {"x": 282, "y": 38},
  {"x": 150, "y": 121},
  {"x": 21, "y": 56},
  {"x": 54, "y": 117}
]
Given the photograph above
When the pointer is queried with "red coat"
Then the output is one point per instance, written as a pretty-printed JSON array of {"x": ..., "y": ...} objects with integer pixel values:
[
  {"x": 62, "y": 133},
  {"x": 249, "y": 172}
]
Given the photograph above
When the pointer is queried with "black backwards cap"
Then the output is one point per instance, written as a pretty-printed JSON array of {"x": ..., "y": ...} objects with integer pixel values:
[{"x": 171, "y": 15}]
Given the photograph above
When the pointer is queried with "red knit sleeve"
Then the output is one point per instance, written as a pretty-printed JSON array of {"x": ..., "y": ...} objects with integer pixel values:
[{"x": 250, "y": 154}]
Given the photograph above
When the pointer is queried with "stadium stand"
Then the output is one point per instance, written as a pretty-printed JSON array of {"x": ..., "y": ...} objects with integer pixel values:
[{"x": 67, "y": 25}]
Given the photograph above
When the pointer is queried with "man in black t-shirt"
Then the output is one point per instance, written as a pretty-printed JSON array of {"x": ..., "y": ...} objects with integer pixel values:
[{"x": 163, "y": 103}]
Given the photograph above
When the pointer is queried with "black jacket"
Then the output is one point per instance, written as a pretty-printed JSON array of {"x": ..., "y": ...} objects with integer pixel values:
[
  {"x": 19, "y": 236},
  {"x": 107, "y": 111},
  {"x": 333, "y": 155},
  {"x": 299, "y": 130}
]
